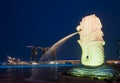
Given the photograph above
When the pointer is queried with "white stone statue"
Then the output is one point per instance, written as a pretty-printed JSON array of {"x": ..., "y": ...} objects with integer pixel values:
[{"x": 91, "y": 41}]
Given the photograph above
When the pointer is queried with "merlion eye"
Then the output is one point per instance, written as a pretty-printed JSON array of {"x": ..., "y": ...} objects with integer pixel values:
[{"x": 80, "y": 30}]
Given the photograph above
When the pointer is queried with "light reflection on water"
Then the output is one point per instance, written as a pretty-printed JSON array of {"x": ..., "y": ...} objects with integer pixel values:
[
  {"x": 45, "y": 72},
  {"x": 38, "y": 65}
]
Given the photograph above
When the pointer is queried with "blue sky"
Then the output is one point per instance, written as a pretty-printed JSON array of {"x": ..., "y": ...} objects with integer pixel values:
[{"x": 44, "y": 22}]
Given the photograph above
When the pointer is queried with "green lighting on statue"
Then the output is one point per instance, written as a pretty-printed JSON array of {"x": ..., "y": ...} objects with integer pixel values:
[
  {"x": 92, "y": 53},
  {"x": 91, "y": 41},
  {"x": 92, "y": 57}
]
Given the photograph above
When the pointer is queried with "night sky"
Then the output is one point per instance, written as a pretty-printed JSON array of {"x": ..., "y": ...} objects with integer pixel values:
[{"x": 44, "y": 22}]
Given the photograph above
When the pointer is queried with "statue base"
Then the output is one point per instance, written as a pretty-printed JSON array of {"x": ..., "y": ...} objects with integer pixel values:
[
  {"x": 104, "y": 72},
  {"x": 65, "y": 78}
]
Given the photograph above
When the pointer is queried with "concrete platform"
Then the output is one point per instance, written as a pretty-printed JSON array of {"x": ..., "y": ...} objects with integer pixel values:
[{"x": 64, "y": 78}]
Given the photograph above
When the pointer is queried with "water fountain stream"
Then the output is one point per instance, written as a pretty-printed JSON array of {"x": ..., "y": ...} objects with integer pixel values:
[{"x": 52, "y": 50}]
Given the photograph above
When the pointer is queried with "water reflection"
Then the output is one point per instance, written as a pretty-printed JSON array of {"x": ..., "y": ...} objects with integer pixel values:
[{"x": 39, "y": 72}]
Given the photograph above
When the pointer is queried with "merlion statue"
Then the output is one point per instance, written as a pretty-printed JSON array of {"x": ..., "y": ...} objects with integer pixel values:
[
  {"x": 92, "y": 45},
  {"x": 91, "y": 41}
]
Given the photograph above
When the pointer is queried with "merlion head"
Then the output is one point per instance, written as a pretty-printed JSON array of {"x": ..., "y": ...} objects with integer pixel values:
[{"x": 88, "y": 25}]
